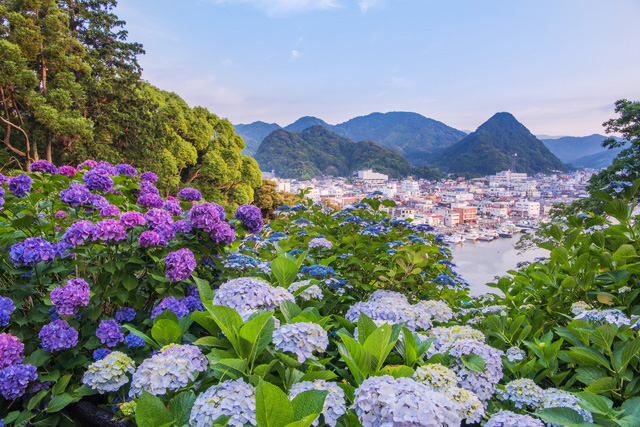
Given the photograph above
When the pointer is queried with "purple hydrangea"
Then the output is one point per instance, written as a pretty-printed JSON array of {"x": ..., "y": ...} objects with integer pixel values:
[
  {"x": 110, "y": 333},
  {"x": 109, "y": 229},
  {"x": 44, "y": 166},
  {"x": 190, "y": 195},
  {"x": 60, "y": 214},
  {"x": 66, "y": 170},
  {"x": 125, "y": 314},
  {"x": 151, "y": 200},
  {"x": 99, "y": 202},
  {"x": 193, "y": 303},
  {"x": 32, "y": 251},
  {"x": 11, "y": 350},
  {"x": 58, "y": 335},
  {"x": 157, "y": 217},
  {"x": 134, "y": 341},
  {"x": 6, "y": 308},
  {"x": 223, "y": 233},
  {"x": 20, "y": 185},
  {"x": 182, "y": 226},
  {"x": 78, "y": 232},
  {"x": 101, "y": 353},
  {"x": 69, "y": 298},
  {"x": 1, "y": 192},
  {"x": 110, "y": 210},
  {"x": 98, "y": 179},
  {"x": 166, "y": 233},
  {"x": 148, "y": 239},
  {"x": 180, "y": 264},
  {"x": 107, "y": 166},
  {"x": 145, "y": 188},
  {"x": 251, "y": 217},
  {"x": 131, "y": 219},
  {"x": 173, "y": 206},
  {"x": 149, "y": 177},
  {"x": 173, "y": 304},
  {"x": 76, "y": 195},
  {"x": 204, "y": 216},
  {"x": 3, "y": 179},
  {"x": 125, "y": 169},
  {"x": 15, "y": 379},
  {"x": 60, "y": 249},
  {"x": 89, "y": 163}
]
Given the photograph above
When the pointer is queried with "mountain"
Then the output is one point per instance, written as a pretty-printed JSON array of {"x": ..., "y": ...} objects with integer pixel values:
[
  {"x": 489, "y": 150},
  {"x": 306, "y": 122},
  {"x": 317, "y": 151},
  {"x": 414, "y": 136},
  {"x": 253, "y": 134},
  {"x": 584, "y": 151}
]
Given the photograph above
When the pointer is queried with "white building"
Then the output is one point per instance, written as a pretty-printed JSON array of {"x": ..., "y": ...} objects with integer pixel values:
[
  {"x": 506, "y": 178},
  {"x": 369, "y": 175},
  {"x": 410, "y": 187},
  {"x": 528, "y": 209}
]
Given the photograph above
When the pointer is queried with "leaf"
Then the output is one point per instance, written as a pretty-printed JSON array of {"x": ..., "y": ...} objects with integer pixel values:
[
  {"x": 205, "y": 320},
  {"x": 594, "y": 402},
  {"x": 318, "y": 375},
  {"x": 227, "y": 319},
  {"x": 273, "y": 408},
  {"x": 60, "y": 385},
  {"x": 284, "y": 270},
  {"x": 180, "y": 407},
  {"x": 397, "y": 371},
  {"x": 166, "y": 331},
  {"x": 602, "y": 385},
  {"x": 603, "y": 336},
  {"x": 473, "y": 362},
  {"x": 631, "y": 350},
  {"x": 256, "y": 335},
  {"x": 151, "y": 412},
  {"x": 632, "y": 406},
  {"x": 556, "y": 232},
  {"x": 623, "y": 252},
  {"x": 589, "y": 374},
  {"x": 365, "y": 327},
  {"x": 605, "y": 299},
  {"x": 289, "y": 310},
  {"x": 37, "y": 358},
  {"x": 619, "y": 209},
  {"x": 60, "y": 402},
  {"x": 212, "y": 342},
  {"x": 563, "y": 416},
  {"x": 137, "y": 333},
  {"x": 305, "y": 422},
  {"x": 307, "y": 403},
  {"x": 204, "y": 289},
  {"x": 588, "y": 356}
]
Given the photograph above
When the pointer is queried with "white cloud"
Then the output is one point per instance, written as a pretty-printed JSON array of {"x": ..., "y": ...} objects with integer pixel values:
[
  {"x": 285, "y": 7},
  {"x": 294, "y": 55},
  {"x": 365, "y": 5}
]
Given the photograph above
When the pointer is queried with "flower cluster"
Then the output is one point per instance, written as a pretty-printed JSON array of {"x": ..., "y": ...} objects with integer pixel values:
[
  {"x": 110, "y": 333},
  {"x": 44, "y": 166},
  {"x": 58, "y": 335},
  {"x": 98, "y": 179},
  {"x": 109, "y": 373},
  {"x": 14, "y": 380},
  {"x": 20, "y": 185},
  {"x": 205, "y": 216},
  {"x": 110, "y": 210},
  {"x": 234, "y": 398},
  {"x": 131, "y": 219},
  {"x": 109, "y": 229},
  {"x": 447, "y": 336},
  {"x": 436, "y": 376},
  {"x": 223, "y": 232},
  {"x": 69, "y": 298},
  {"x": 180, "y": 264},
  {"x": 334, "y": 404},
  {"x": 170, "y": 369},
  {"x": 483, "y": 384},
  {"x": 125, "y": 314},
  {"x": 311, "y": 292},
  {"x": 125, "y": 169},
  {"x": 515, "y": 354},
  {"x": 172, "y": 304},
  {"x": 76, "y": 195},
  {"x": 320, "y": 242},
  {"x": 251, "y": 217},
  {"x": 190, "y": 195},
  {"x": 148, "y": 239},
  {"x": 133, "y": 340},
  {"x": 612, "y": 317},
  {"x": 385, "y": 400},
  {"x": 511, "y": 419},
  {"x": 246, "y": 295},
  {"x": 522, "y": 392},
  {"x": 11, "y": 350},
  {"x": 31, "y": 251},
  {"x": 439, "y": 310},
  {"x": 393, "y": 308},
  {"x": 6, "y": 308},
  {"x": 554, "y": 398},
  {"x": 151, "y": 200},
  {"x": 301, "y": 338},
  {"x": 149, "y": 176}
]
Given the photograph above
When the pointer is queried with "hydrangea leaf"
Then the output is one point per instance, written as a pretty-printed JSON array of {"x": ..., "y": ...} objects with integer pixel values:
[
  {"x": 308, "y": 403},
  {"x": 273, "y": 408}
]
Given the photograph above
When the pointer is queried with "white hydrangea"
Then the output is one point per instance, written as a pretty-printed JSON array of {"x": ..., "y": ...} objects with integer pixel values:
[
  {"x": 500, "y": 310},
  {"x": 246, "y": 295},
  {"x": 109, "y": 374},
  {"x": 447, "y": 335},
  {"x": 393, "y": 308},
  {"x": 235, "y": 398},
  {"x": 511, "y": 419},
  {"x": 169, "y": 369},
  {"x": 579, "y": 306},
  {"x": 320, "y": 242},
  {"x": 439, "y": 310},
  {"x": 436, "y": 376},
  {"x": 469, "y": 407},
  {"x": 312, "y": 292},
  {"x": 386, "y": 401},
  {"x": 522, "y": 392},
  {"x": 301, "y": 338},
  {"x": 482, "y": 384},
  {"x": 334, "y": 405}
]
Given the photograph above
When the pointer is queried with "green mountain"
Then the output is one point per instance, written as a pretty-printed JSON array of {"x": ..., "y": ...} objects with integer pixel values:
[
  {"x": 253, "y": 134},
  {"x": 585, "y": 151},
  {"x": 316, "y": 151},
  {"x": 414, "y": 136},
  {"x": 490, "y": 148},
  {"x": 306, "y": 122}
]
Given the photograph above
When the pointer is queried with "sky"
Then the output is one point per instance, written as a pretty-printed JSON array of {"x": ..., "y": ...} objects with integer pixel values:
[{"x": 558, "y": 66}]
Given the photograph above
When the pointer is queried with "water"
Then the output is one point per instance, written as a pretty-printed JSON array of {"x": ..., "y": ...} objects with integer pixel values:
[{"x": 479, "y": 262}]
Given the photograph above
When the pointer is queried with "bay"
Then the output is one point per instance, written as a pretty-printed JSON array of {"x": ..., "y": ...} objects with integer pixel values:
[{"x": 480, "y": 262}]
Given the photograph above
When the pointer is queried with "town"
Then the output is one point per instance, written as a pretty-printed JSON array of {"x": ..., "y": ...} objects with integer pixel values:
[{"x": 477, "y": 209}]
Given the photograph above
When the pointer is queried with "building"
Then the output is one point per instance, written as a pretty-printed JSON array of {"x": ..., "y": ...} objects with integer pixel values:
[
  {"x": 369, "y": 175},
  {"x": 466, "y": 214}
]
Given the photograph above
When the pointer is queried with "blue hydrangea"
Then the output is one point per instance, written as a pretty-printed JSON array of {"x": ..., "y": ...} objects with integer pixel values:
[
  {"x": 101, "y": 353},
  {"x": 246, "y": 295},
  {"x": 302, "y": 338},
  {"x": 110, "y": 333},
  {"x": 515, "y": 354},
  {"x": 523, "y": 392},
  {"x": 15, "y": 379},
  {"x": 612, "y": 317},
  {"x": 170, "y": 303},
  {"x": 6, "y": 308},
  {"x": 58, "y": 335},
  {"x": 334, "y": 404},
  {"x": 125, "y": 314},
  {"x": 555, "y": 398},
  {"x": 235, "y": 398},
  {"x": 32, "y": 251},
  {"x": 510, "y": 419},
  {"x": 134, "y": 341}
]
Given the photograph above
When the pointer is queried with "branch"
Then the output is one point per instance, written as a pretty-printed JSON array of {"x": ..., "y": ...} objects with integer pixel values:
[
  {"x": 8, "y": 144},
  {"x": 194, "y": 175}
]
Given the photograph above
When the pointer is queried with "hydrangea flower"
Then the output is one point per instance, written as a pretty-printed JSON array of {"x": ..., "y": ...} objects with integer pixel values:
[
  {"x": 510, "y": 419},
  {"x": 78, "y": 232},
  {"x": 312, "y": 292},
  {"x": 109, "y": 373},
  {"x": 44, "y": 166},
  {"x": 251, "y": 217},
  {"x": 20, "y": 185},
  {"x": 386, "y": 401},
  {"x": 131, "y": 219},
  {"x": 190, "y": 195},
  {"x": 110, "y": 210},
  {"x": 101, "y": 353},
  {"x": 145, "y": 188},
  {"x": 67, "y": 170},
  {"x": 15, "y": 379},
  {"x": 158, "y": 218},
  {"x": 169, "y": 369},
  {"x": 499, "y": 310},
  {"x": 469, "y": 407},
  {"x": 6, "y": 308},
  {"x": 320, "y": 242},
  {"x": 148, "y": 239},
  {"x": 393, "y": 308},
  {"x": 149, "y": 176},
  {"x": 69, "y": 298},
  {"x": 223, "y": 233},
  {"x": 98, "y": 202},
  {"x": 31, "y": 251},
  {"x": 109, "y": 229},
  {"x": 133, "y": 341},
  {"x": 612, "y": 317},
  {"x": 522, "y": 392},
  {"x": 235, "y": 398},
  {"x": 180, "y": 264},
  {"x": 150, "y": 200},
  {"x": 555, "y": 398},
  {"x": 110, "y": 333},
  {"x": 125, "y": 169},
  {"x": 90, "y": 163},
  {"x": 204, "y": 216},
  {"x": 439, "y": 310},
  {"x": 170, "y": 303},
  {"x": 193, "y": 303},
  {"x": 98, "y": 179},
  {"x": 173, "y": 206},
  {"x": 482, "y": 384},
  {"x": 182, "y": 226},
  {"x": 515, "y": 354},
  {"x": 301, "y": 338},
  {"x": 125, "y": 314},
  {"x": 436, "y": 376},
  {"x": 58, "y": 335},
  {"x": 446, "y": 336},
  {"x": 11, "y": 350},
  {"x": 318, "y": 271},
  {"x": 246, "y": 295},
  {"x": 334, "y": 404}
]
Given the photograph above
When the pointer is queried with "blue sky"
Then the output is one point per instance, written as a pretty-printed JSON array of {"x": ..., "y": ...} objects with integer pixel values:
[{"x": 558, "y": 66}]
